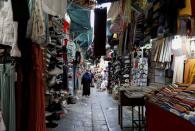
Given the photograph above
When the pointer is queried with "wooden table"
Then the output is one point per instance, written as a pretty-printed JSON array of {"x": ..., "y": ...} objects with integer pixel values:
[{"x": 133, "y": 99}]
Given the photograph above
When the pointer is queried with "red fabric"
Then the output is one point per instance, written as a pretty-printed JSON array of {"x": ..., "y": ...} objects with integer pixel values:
[
  {"x": 66, "y": 25},
  {"x": 37, "y": 92},
  {"x": 158, "y": 119},
  {"x": 65, "y": 42}
]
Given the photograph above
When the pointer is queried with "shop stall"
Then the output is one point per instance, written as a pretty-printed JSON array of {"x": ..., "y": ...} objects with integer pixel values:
[{"x": 158, "y": 39}]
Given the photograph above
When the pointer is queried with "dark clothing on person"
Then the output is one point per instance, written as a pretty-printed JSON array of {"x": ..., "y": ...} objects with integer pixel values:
[{"x": 86, "y": 80}]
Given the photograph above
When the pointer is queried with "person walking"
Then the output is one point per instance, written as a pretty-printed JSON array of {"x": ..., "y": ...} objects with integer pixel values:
[
  {"x": 86, "y": 81},
  {"x": 92, "y": 78}
]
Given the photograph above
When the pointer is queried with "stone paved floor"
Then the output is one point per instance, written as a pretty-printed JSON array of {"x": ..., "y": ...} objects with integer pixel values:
[{"x": 96, "y": 113}]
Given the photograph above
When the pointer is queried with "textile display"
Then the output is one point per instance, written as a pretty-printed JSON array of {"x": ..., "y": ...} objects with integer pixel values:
[
  {"x": 139, "y": 72},
  {"x": 189, "y": 72},
  {"x": 8, "y": 28},
  {"x": 127, "y": 13},
  {"x": 55, "y": 8},
  {"x": 8, "y": 101},
  {"x": 187, "y": 11},
  {"x": 178, "y": 69},
  {"x": 177, "y": 100},
  {"x": 71, "y": 51},
  {"x": 19, "y": 99},
  {"x": 114, "y": 10},
  {"x": 162, "y": 47},
  {"x": 181, "y": 46},
  {"x": 100, "y": 31},
  {"x": 116, "y": 26},
  {"x": 167, "y": 122},
  {"x": 36, "y": 91},
  {"x": 36, "y": 26},
  {"x": 139, "y": 30}
]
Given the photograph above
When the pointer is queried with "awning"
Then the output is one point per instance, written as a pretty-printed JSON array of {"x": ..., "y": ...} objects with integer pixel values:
[{"x": 80, "y": 18}]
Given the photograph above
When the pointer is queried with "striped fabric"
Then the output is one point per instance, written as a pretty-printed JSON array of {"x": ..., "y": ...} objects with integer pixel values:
[{"x": 7, "y": 88}]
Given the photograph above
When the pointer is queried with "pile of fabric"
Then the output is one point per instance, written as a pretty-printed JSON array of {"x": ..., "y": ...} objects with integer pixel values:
[{"x": 178, "y": 100}]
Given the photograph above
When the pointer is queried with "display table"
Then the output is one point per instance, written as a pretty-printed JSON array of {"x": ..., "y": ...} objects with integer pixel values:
[
  {"x": 133, "y": 99},
  {"x": 158, "y": 119}
]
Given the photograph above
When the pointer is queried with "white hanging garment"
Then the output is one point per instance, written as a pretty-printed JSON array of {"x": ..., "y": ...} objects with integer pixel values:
[
  {"x": 37, "y": 23},
  {"x": 178, "y": 69},
  {"x": 8, "y": 28},
  {"x": 55, "y": 7}
]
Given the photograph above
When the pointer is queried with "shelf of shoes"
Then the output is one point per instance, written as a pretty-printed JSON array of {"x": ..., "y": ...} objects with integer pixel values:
[
  {"x": 56, "y": 95},
  {"x": 125, "y": 71},
  {"x": 114, "y": 74}
]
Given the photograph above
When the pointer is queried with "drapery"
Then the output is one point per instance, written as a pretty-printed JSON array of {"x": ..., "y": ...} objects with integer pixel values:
[
  {"x": 36, "y": 25},
  {"x": 162, "y": 49},
  {"x": 8, "y": 28},
  {"x": 178, "y": 69},
  {"x": 7, "y": 89},
  {"x": 36, "y": 91},
  {"x": 189, "y": 72}
]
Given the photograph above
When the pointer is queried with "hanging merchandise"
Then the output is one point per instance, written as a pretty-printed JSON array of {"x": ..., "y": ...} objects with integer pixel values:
[
  {"x": 36, "y": 91},
  {"x": 8, "y": 101},
  {"x": 71, "y": 51},
  {"x": 180, "y": 46},
  {"x": 80, "y": 18},
  {"x": 139, "y": 70},
  {"x": 36, "y": 25},
  {"x": 114, "y": 10},
  {"x": 127, "y": 12},
  {"x": 55, "y": 8},
  {"x": 100, "y": 32},
  {"x": 178, "y": 69},
  {"x": 67, "y": 22},
  {"x": 8, "y": 28},
  {"x": 162, "y": 47},
  {"x": 117, "y": 17},
  {"x": 189, "y": 71},
  {"x": 139, "y": 30},
  {"x": 116, "y": 26},
  {"x": 187, "y": 11}
]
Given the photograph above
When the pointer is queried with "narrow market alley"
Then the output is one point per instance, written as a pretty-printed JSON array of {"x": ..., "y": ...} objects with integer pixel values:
[
  {"x": 95, "y": 113},
  {"x": 97, "y": 65}
]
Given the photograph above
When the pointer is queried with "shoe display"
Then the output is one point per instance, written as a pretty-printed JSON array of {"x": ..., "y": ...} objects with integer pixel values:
[
  {"x": 52, "y": 82},
  {"x": 51, "y": 124},
  {"x": 53, "y": 116},
  {"x": 54, "y": 58},
  {"x": 56, "y": 71}
]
